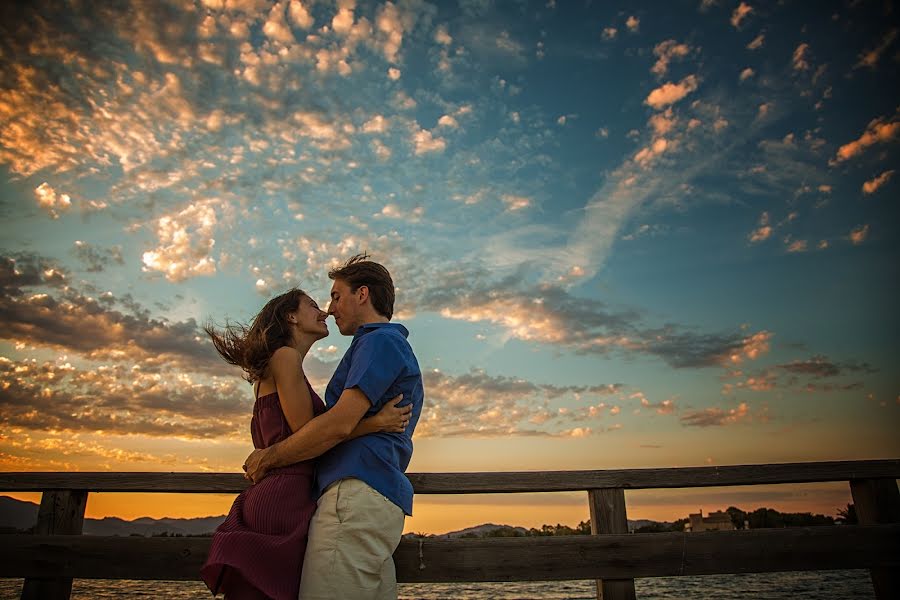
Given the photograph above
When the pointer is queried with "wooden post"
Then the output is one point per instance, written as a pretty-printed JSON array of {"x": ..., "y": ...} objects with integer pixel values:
[
  {"x": 608, "y": 516},
  {"x": 877, "y": 502},
  {"x": 60, "y": 513}
]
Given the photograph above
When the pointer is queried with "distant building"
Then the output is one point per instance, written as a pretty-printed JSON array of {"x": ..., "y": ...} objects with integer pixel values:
[{"x": 716, "y": 521}]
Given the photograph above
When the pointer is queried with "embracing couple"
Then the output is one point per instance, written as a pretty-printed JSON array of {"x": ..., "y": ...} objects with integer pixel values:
[{"x": 329, "y": 496}]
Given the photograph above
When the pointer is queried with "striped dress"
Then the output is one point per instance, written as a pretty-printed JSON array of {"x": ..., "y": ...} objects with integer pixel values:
[{"x": 257, "y": 552}]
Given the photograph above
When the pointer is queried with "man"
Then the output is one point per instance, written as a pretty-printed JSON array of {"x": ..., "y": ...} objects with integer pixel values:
[{"x": 364, "y": 492}]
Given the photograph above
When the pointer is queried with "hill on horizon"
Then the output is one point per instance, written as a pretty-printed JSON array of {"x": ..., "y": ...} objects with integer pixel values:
[{"x": 22, "y": 515}]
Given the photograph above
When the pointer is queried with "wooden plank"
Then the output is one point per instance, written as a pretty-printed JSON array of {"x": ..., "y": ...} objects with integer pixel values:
[
  {"x": 608, "y": 516},
  {"x": 482, "y": 483},
  {"x": 223, "y": 483},
  {"x": 877, "y": 501},
  {"x": 613, "y": 556},
  {"x": 60, "y": 513}
]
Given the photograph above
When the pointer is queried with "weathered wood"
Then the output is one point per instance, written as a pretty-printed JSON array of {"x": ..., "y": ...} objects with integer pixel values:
[
  {"x": 482, "y": 483},
  {"x": 60, "y": 513},
  {"x": 613, "y": 556},
  {"x": 608, "y": 516},
  {"x": 877, "y": 501}
]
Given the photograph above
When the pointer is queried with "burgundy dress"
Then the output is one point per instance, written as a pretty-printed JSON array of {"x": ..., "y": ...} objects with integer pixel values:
[{"x": 257, "y": 552}]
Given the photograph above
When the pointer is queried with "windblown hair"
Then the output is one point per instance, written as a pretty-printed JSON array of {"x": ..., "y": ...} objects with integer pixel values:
[
  {"x": 251, "y": 347},
  {"x": 358, "y": 271}
]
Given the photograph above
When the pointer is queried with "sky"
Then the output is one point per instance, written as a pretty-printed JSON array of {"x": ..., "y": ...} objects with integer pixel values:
[{"x": 623, "y": 234}]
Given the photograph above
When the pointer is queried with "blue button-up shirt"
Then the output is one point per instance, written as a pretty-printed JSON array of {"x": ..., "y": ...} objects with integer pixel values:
[{"x": 380, "y": 362}]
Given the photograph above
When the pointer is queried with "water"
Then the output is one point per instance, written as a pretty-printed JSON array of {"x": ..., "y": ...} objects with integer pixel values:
[{"x": 806, "y": 585}]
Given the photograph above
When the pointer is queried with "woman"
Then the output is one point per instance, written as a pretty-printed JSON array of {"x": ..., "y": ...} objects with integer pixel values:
[{"x": 257, "y": 552}]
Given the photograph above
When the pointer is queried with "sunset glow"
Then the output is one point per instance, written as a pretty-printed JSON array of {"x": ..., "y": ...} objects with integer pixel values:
[{"x": 660, "y": 235}]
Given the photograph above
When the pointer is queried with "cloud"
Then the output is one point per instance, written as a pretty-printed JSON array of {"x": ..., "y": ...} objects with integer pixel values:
[
  {"x": 276, "y": 27},
  {"x": 299, "y": 15},
  {"x": 441, "y": 36},
  {"x": 763, "y": 232},
  {"x": 104, "y": 328},
  {"x": 871, "y": 57},
  {"x": 50, "y": 201},
  {"x": 664, "y": 407},
  {"x": 757, "y": 42},
  {"x": 477, "y": 404},
  {"x": 800, "y": 58},
  {"x": 794, "y": 246},
  {"x": 740, "y": 13},
  {"x": 448, "y": 122},
  {"x": 667, "y": 51},
  {"x": 878, "y": 131},
  {"x": 424, "y": 142},
  {"x": 120, "y": 399},
  {"x": 821, "y": 367},
  {"x": 670, "y": 93},
  {"x": 747, "y": 74},
  {"x": 377, "y": 124},
  {"x": 859, "y": 234},
  {"x": 25, "y": 270},
  {"x": 515, "y": 203},
  {"x": 96, "y": 259},
  {"x": 633, "y": 23},
  {"x": 716, "y": 417},
  {"x": 548, "y": 314},
  {"x": 870, "y": 186},
  {"x": 609, "y": 33},
  {"x": 185, "y": 242},
  {"x": 799, "y": 376}
]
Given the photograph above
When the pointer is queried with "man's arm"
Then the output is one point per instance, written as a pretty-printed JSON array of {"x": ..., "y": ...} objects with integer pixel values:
[
  {"x": 391, "y": 419},
  {"x": 314, "y": 439}
]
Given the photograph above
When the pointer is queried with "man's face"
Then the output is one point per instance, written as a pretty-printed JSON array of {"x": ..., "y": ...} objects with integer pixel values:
[{"x": 343, "y": 307}]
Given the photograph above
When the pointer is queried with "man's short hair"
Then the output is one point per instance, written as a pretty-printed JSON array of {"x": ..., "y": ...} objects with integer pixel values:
[{"x": 359, "y": 271}]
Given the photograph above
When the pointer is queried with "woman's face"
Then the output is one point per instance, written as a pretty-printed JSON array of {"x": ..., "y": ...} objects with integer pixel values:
[{"x": 311, "y": 319}]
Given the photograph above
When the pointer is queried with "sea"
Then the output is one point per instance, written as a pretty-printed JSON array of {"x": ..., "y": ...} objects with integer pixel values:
[{"x": 805, "y": 585}]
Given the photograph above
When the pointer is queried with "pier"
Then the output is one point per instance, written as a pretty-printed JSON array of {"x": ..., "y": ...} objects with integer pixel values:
[{"x": 57, "y": 553}]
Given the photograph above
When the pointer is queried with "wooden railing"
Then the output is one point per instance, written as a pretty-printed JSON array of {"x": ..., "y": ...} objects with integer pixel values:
[{"x": 57, "y": 553}]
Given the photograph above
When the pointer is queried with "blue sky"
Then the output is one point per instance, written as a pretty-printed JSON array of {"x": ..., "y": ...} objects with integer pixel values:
[{"x": 622, "y": 234}]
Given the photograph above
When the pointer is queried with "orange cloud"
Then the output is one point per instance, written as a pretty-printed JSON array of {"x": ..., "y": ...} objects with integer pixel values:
[
  {"x": 666, "y": 52},
  {"x": 859, "y": 234},
  {"x": 740, "y": 13},
  {"x": 185, "y": 242},
  {"x": 878, "y": 131},
  {"x": 670, "y": 93},
  {"x": 869, "y": 187},
  {"x": 871, "y": 57},
  {"x": 763, "y": 231},
  {"x": 50, "y": 201},
  {"x": 799, "y": 59}
]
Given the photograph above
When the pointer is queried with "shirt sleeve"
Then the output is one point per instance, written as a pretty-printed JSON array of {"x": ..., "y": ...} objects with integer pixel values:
[{"x": 378, "y": 362}]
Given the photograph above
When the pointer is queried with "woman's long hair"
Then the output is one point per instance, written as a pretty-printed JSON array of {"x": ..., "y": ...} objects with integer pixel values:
[{"x": 251, "y": 347}]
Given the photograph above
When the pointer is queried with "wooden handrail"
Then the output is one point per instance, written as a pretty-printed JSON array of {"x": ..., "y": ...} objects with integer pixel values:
[
  {"x": 480, "y": 483},
  {"x": 613, "y": 556},
  {"x": 56, "y": 554}
]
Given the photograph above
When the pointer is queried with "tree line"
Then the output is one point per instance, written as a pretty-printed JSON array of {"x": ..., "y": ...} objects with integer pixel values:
[{"x": 756, "y": 519}]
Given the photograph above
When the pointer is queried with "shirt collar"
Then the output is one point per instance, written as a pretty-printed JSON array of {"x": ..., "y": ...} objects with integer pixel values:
[{"x": 364, "y": 329}]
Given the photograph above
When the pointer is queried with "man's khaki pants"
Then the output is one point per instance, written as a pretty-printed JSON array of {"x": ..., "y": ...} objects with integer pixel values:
[{"x": 352, "y": 537}]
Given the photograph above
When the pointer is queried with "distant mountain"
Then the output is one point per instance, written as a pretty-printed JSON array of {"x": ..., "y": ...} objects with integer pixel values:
[
  {"x": 482, "y": 531},
  {"x": 20, "y": 515},
  {"x": 16, "y": 514}
]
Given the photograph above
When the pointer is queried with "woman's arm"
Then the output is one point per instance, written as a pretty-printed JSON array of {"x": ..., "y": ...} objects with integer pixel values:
[
  {"x": 293, "y": 394},
  {"x": 390, "y": 418}
]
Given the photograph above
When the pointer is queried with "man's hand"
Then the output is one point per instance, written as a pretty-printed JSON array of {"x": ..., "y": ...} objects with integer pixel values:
[
  {"x": 256, "y": 467},
  {"x": 392, "y": 418}
]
